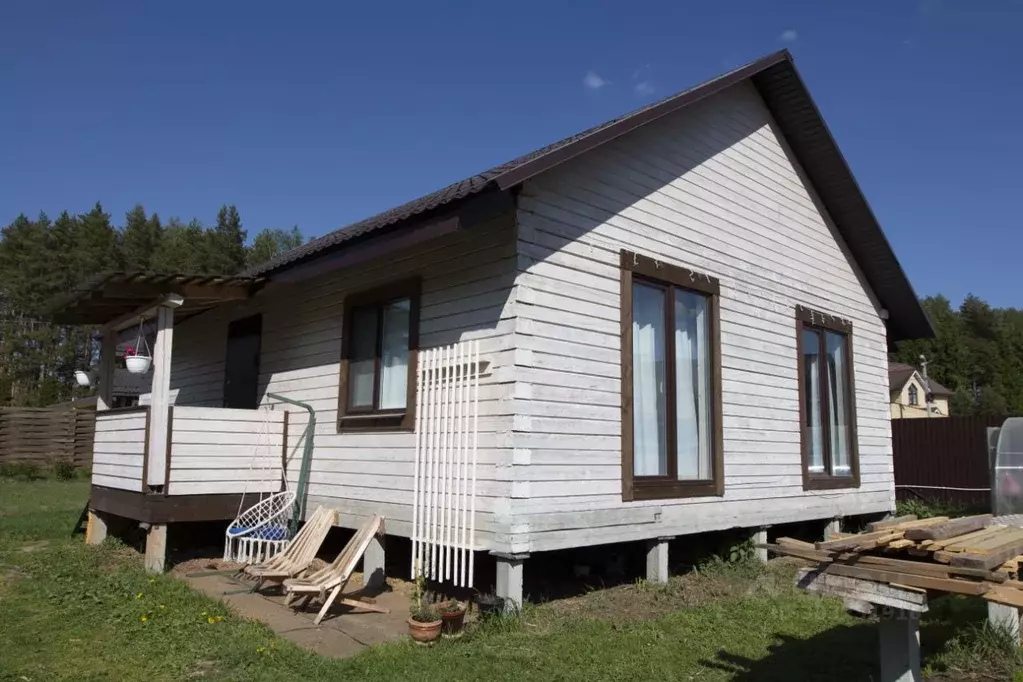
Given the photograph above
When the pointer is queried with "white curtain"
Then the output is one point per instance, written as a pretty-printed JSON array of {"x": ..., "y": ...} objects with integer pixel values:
[
  {"x": 692, "y": 386},
  {"x": 838, "y": 403},
  {"x": 812, "y": 377},
  {"x": 394, "y": 355},
  {"x": 649, "y": 404}
]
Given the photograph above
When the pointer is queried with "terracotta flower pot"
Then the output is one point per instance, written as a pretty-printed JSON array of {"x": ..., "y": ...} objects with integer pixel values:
[
  {"x": 453, "y": 620},
  {"x": 424, "y": 632}
]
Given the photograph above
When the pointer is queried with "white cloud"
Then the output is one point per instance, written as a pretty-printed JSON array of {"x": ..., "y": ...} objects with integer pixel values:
[
  {"x": 789, "y": 35},
  {"x": 644, "y": 88},
  {"x": 593, "y": 82}
]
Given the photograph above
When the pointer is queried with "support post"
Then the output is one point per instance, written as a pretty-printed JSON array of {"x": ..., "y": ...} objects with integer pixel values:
[
  {"x": 156, "y": 548},
  {"x": 760, "y": 538},
  {"x": 159, "y": 416},
  {"x": 833, "y": 527},
  {"x": 657, "y": 560},
  {"x": 509, "y": 580},
  {"x": 899, "y": 633},
  {"x": 105, "y": 380},
  {"x": 373, "y": 560},
  {"x": 96, "y": 528},
  {"x": 1005, "y": 617}
]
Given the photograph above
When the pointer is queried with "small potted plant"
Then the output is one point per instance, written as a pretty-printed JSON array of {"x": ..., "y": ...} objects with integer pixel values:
[
  {"x": 452, "y": 613},
  {"x": 85, "y": 377},
  {"x": 424, "y": 621},
  {"x": 489, "y": 604}
]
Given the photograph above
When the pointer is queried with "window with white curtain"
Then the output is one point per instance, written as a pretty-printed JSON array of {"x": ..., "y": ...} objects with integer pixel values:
[
  {"x": 827, "y": 406},
  {"x": 671, "y": 407},
  {"x": 377, "y": 358}
]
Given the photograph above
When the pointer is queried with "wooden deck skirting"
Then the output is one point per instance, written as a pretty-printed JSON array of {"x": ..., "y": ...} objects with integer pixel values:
[{"x": 160, "y": 508}]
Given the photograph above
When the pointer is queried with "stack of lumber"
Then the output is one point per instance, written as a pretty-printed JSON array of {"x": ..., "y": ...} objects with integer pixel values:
[{"x": 971, "y": 555}]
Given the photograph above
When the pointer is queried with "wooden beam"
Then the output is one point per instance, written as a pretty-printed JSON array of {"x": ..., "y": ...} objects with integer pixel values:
[
  {"x": 861, "y": 590},
  {"x": 950, "y": 529},
  {"x": 988, "y": 561},
  {"x": 146, "y": 310},
  {"x": 1005, "y": 595}
]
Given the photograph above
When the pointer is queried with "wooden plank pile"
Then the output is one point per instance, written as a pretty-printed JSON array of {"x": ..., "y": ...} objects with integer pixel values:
[{"x": 970, "y": 555}]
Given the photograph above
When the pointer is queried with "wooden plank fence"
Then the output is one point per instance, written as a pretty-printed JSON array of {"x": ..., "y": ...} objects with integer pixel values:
[
  {"x": 943, "y": 460},
  {"x": 44, "y": 435}
]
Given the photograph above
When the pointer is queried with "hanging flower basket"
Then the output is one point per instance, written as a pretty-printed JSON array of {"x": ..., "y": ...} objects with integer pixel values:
[
  {"x": 138, "y": 364},
  {"x": 83, "y": 378},
  {"x": 136, "y": 361}
]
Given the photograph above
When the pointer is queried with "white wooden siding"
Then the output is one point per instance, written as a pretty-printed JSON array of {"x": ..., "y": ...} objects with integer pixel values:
[
  {"x": 711, "y": 188},
  {"x": 219, "y": 450},
  {"x": 118, "y": 451},
  {"x": 467, "y": 293}
]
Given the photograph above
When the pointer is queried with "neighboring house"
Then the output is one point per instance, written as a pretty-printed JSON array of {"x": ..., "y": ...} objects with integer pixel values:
[
  {"x": 684, "y": 315},
  {"x": 908, "y": 392}
]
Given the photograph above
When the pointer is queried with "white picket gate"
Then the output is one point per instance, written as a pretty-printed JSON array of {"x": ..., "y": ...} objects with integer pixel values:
[{"x": 444, "y": 489}]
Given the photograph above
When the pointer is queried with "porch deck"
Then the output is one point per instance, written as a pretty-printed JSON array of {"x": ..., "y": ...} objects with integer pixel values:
[{"x": 208, "y": 460}]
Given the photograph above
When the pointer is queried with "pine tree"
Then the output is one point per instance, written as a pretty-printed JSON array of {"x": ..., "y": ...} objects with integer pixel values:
[
  {"x": 226, "y": 243},
  {"x": 141, "y": 238},
  {"x": 97, "y": 247},
  {"x": 182, "y": 248}
]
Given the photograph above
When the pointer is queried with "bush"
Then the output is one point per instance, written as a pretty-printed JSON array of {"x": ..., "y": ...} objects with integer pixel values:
[
  {"x": 24, "y": 471},
  {"x": 64, "y": 470}
]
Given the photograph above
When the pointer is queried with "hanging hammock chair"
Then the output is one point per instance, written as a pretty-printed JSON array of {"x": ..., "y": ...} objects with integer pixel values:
[{"x": 261, "y": 531}]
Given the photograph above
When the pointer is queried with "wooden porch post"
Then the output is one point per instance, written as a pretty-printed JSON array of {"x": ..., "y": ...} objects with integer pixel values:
[
  {"x": 156, "y": 469},
  {"x": 107, "y": 351}
]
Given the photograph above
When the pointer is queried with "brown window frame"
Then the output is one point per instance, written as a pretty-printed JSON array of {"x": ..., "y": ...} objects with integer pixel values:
[
  {"x": 808, "y": 318},
  {"x": 650, "y": 271},
  {"x": 361, "y": 419}
]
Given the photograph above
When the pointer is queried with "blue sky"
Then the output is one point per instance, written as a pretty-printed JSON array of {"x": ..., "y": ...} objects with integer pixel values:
[{"x": 321, "y": 114}]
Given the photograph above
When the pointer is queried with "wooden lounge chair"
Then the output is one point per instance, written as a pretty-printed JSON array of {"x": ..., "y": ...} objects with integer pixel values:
[
  {"x": 299, "y": 553},
  {"x": 334, "y": 577}
]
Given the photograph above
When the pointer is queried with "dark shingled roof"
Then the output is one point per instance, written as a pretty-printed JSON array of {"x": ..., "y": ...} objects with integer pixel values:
[
  {"x": 899, "y": 373},
  {"x": 779, "y": 84}
]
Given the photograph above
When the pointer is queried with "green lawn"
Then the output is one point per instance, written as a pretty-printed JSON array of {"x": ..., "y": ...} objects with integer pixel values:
[{"x": 71, "y": 612}]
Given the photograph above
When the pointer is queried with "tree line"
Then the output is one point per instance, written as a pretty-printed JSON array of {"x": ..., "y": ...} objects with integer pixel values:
[
  {"x": 977, "y": 354},
  {"x": 42, "y": 259}
]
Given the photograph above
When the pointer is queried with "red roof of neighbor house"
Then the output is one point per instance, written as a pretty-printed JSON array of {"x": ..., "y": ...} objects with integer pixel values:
[
  {"x": 899, "y": 373},
  {"x": 783, "y": 91}
]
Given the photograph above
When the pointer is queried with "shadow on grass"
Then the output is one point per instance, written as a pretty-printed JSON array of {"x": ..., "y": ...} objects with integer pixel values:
[{"x": 850, "y": 652}]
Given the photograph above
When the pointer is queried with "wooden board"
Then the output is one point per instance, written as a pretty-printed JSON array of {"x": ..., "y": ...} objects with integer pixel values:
[
  {"x": 861, "y": 590},
  {"x": 1005, "y": 595},
  {"x": 888, "y": 523},
  {"x": 792, "y": 542},
  {"x": 988, "y": 561},
  {"x": 927, "y": 582},
  {"x": 995, "y": 542},
  {"x": 953, "y": 543},
  {"x": 950, "y": 529}
]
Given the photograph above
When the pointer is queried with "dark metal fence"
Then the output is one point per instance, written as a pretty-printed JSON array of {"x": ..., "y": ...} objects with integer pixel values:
[{"x": 943, "y": 460}]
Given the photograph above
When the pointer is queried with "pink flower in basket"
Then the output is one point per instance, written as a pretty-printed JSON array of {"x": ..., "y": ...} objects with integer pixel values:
[{"x": 130, "y": 351}]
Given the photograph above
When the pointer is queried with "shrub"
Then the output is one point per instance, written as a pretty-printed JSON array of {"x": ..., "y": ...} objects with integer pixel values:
[
  {"x": 64, "y": 470},
  {"x": 25, "y": 471}
]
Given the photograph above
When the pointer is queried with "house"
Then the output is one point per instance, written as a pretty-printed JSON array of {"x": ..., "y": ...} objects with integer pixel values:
[
  {"x": 682, "y": 318},
  {"x": 908, "y": 390}
]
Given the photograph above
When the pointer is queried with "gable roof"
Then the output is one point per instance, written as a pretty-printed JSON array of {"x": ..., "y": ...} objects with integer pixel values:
[
  {"x": 899, "y": 373},
  {"x": 783, "y": 91}
]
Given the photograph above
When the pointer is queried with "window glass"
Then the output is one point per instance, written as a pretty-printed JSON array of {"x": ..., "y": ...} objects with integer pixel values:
[
  {"x": 362, "y": 359},
  {"x": 649, "y": 392},
  {"x": 812, "y": 420},
  {"x": 394, "y": 355},
  {"x": 692, "y": 385},
  {"x": 839, "y": 402}
]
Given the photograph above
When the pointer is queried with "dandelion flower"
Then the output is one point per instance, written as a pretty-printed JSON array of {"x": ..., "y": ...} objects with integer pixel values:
[
  {"x": 210, "y": 620},
  {"x": 163, "y": 606},
  {"x": 145, "y": 618},
  {"x": 260, "y": 650},
  {"x": 219, "y": 618},
  {"x": 138, "y": 596}
]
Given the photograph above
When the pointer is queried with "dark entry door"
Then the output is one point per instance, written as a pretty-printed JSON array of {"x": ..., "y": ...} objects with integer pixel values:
[{"x": 241, "y": 372}]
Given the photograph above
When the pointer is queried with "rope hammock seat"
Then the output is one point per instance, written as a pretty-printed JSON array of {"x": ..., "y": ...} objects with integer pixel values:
[{"x": 261, "y": 531}]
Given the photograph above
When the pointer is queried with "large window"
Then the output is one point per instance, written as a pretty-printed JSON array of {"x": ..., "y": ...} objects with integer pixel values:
[
  {"x": 378, "y": 345},
  {"x": 671, "y": 376},
  {"x": 914, "y": 395},
  {"x": 826, "y": 397}
]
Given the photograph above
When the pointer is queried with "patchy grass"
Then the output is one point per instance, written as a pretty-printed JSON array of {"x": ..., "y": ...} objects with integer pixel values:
[{"x": 72, "y": 612}]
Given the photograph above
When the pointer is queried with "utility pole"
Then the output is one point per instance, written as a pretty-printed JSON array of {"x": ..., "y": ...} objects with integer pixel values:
[{"x": 927, "y": 384}]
